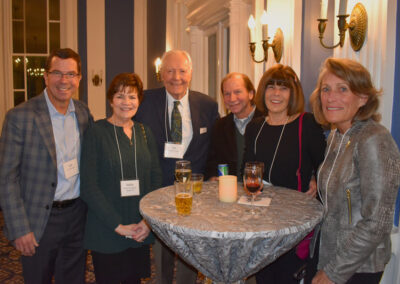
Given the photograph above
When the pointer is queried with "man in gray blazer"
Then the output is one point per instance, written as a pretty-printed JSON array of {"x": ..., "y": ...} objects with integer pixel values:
[
  {"x": 39, "y": 176},
  {"x": 198, "y": 113}
]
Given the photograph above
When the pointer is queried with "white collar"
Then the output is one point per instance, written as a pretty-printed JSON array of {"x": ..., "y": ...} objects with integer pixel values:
[{"x": 184, "y": 100}]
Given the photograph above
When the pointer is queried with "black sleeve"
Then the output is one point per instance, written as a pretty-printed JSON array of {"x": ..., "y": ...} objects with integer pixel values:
[
  {"x": 249, "y": 138},
  {"x": 212, "y": 163}
]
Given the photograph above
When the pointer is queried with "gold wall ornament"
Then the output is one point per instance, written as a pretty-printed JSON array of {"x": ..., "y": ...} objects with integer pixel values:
[
  {"x": 357, "y": 28},
  {"x": 277, "y": 45}
]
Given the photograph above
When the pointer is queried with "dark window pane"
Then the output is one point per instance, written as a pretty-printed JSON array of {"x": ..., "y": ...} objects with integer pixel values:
[
  {"x": 18, "y": 37},
  {"x": 36, "y": 28},
  {"x": 17, "y": 9},
  {"x": 18, "y": 72},
  {"x": 19, "y": 97},
  {"x": 34, "y": 75},
  {"x": 54, "y": 9},
  {"x": 54, "y": 36}
]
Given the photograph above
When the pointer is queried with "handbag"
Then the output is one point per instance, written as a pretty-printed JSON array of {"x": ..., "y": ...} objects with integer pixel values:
[{"x": 303, "y": 248}]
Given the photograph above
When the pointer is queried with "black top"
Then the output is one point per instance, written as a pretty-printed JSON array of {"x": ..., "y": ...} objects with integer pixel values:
[{"x": 287, "y": 157}]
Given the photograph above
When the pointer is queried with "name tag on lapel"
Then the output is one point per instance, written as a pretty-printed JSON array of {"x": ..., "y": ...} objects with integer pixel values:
[
  {"x": 203, "y": 130},
  {"x": 71, "y": 168},
  {"x": 173, "y": 150}
]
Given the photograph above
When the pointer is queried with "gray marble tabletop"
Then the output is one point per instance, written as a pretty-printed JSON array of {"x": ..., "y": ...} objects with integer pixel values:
[{"x": 223, "y": 240}]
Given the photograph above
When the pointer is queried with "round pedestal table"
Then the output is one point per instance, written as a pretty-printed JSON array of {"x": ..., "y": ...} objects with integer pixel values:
[{"x": 223, "y": 240}]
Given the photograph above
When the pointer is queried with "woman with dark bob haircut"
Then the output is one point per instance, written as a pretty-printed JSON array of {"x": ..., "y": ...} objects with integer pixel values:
[
  {"x": 274, "y": 139},
  {"x": 119, "y": 165},
  {"x": 359, "y": 178}
]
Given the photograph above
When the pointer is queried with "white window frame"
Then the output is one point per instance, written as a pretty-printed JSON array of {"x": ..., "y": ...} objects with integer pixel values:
[{"x": 68, "y": 38}]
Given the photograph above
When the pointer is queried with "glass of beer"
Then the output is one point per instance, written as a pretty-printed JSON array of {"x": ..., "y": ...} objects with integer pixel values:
[
  {"x": 197, "y": 182},
  {"x": 183, "y": 171},
  {"x": 183, "y": 198}
]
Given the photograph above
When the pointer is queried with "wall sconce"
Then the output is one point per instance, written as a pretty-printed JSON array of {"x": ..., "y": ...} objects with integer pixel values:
[
  {"x": 97, "y": 79},
  {"x": 357, "y": 26},
  {"x": 157, "y": 64},
  {"x": 277, "y": 43}
]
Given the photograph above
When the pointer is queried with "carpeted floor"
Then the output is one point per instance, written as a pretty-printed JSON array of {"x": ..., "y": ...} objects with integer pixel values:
[{"x": 11, "y": 270}]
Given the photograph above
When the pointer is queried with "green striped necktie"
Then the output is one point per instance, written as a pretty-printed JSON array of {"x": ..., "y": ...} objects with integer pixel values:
[{"x": 176, "y": 124}]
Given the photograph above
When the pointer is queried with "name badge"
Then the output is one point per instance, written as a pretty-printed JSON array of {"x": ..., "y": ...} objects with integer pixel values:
[
  {"x": 71, "y": 168},
  {"x": 203, "y": 130},
  {"x": 130, "y": 188},
  {"x": 173, "y": 150}
]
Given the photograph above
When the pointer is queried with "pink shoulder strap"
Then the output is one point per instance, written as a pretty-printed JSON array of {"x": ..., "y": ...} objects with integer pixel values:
[{"x": 299, "y": 168}]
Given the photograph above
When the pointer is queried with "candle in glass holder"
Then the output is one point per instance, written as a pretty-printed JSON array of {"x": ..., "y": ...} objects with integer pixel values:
[{"x": 227, "y": 188}]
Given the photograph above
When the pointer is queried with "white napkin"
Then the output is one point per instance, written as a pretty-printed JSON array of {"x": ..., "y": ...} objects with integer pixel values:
[{"x": 263, "y": 201}]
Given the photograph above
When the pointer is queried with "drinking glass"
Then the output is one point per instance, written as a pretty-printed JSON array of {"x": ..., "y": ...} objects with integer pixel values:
[
  {"x": 256, "y": 164},
  {"x": 252, "y": 181},
  {"x": 261, "y": 166},
  {"x": 183, "y": 198},
  {"x": 197, "y": 182},
  {"x": 183, "y": 171}
]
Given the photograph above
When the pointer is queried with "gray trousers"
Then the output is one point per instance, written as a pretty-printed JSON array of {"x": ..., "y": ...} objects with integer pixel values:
[{"x": 60, "y": 252}]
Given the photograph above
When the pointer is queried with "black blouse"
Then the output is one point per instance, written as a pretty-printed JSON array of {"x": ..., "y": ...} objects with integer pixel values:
[{"x": 286, "y": 162}]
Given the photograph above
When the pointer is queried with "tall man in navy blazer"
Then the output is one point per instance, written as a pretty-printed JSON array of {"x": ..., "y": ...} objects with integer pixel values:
[
  {"x": 39, "y": 176},
  {"x": 199, "y": 113}
]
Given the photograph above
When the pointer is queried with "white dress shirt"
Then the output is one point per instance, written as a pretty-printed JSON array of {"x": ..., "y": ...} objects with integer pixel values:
[
  {"x": 68, "y": 147},
  {"x": 184, "y": 109}
]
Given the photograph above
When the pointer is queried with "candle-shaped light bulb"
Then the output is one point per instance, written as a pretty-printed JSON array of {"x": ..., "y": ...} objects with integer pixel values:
[
  {"x": 264, "y": 25},
  {"x": 324, "y": 9},
  {"x": 157, "y": 63},
  {"x": 342, "y": 7},
  {"x": 252, "y": 27}
]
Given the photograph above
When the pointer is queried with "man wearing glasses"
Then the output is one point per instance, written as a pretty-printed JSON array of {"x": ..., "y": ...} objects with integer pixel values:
[{"x": 39, "y": 176}]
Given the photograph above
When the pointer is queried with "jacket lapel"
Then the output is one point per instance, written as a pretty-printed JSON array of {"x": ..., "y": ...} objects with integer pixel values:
[
  {"x": 163, "y": 113},
  {"x": 43, "y": 122},
  {"x": 195, "y": 116},
  {"x": 82, "y": 119}
]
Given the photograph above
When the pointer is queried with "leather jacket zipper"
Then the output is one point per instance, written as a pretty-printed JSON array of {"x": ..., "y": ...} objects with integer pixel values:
[{"x": 349, "y": 203}]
